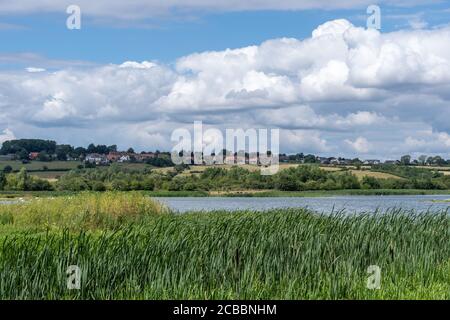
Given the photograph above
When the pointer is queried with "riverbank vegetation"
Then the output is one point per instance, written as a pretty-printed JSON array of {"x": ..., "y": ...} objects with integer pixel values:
[
  {"x": 231, "y": 179},
  {"x": 129, "y": 247},
  {"x": 9, "y": 195},
  {"x": 83, "y": 211},
  {"x": 299, "y": 178},
  {"x": 319, "y": 193}
]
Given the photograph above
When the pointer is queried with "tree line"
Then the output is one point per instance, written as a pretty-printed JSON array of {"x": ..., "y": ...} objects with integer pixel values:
[
  {"x": 301, "y": 178},
  {"x": 49, "y": 150},
  {"x": 22, "y": 181}
]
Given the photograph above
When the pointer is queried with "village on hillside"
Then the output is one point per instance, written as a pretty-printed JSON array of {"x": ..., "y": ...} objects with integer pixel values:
[{"x": 26, "y": 150}]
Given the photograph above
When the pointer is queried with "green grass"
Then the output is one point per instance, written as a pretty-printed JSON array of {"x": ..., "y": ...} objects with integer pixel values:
[
  {"x": 34, "y": 194},
  {"x": 55, "y": 169},
  {"x": 128, "y": 247},
  {"x": 134, "y": 166},
  {"x": 84, "y": 211},
  {"x": 48, "y": 174},
  {"x": 39, "y": 165}
]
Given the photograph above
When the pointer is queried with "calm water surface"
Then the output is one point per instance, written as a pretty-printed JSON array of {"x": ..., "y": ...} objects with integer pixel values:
[
  {"x": 9, "y": 201},
  {"x": 350, "y": 204}
]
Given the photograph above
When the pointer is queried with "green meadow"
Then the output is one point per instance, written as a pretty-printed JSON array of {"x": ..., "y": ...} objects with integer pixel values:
[{"x": 130, "y": 247}]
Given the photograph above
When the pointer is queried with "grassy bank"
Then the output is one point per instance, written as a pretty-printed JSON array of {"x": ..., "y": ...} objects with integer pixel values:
[{"x": 129, "y": 247}]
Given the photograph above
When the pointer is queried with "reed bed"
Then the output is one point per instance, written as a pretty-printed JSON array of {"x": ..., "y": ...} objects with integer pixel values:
[
  {"x": 83, "y": 211},
  {"x": 279, "y": 254}
]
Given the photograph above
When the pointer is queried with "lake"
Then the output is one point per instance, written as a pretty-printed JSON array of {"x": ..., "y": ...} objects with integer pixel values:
[
  {"x": 9, "y": 201},
  {"x": 349, "y": 204}
]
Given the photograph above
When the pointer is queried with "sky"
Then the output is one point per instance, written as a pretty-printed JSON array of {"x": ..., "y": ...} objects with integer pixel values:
[{"x": 138, "y": 70}]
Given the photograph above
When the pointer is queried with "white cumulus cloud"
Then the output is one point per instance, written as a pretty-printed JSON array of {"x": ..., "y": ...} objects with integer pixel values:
[
  {"x": 6, "y": 135},
  {"x": 360, "y": 145},
  {"x": 35, "y": 70},
  {"x": 332, "y": 92}
]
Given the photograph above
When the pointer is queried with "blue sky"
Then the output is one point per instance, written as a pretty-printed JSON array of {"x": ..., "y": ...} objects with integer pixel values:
[
  {"x": 137, "y": 70},
  {"x": 111, "y": 40}
]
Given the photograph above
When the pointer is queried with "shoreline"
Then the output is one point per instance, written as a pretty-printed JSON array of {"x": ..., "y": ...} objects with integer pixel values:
[
  {"x": 331, "y": 193},
  {"x": 8, "y": 195}
]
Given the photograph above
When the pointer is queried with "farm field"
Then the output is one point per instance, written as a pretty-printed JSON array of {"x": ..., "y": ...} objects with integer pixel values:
[
  {"x": 446, "y": 168},
  {"x": 51, "y": 176},
  {"x": 53, "y": 170},
  {"x": 59, "y": 165},
  {"x": 196, "y": 169},
  {"x": 39, "y": 165},
  {"x": 129, "y": 247},
  {"x": 360, "y": 174}
]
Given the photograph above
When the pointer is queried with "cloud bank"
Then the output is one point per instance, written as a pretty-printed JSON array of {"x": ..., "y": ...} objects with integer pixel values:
[{"x": 345, "y": 90}]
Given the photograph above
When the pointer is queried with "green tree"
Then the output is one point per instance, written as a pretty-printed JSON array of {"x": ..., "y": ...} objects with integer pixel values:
[
  {"x": 7, "y": 169},
  {"x": 405, "y": 160},
  {"x": 22, "y": 179},
  {"x": 120, "y": 185},
  {"x": 98, "y": 186},
  {"x": 102, "y": 149},
  {"x": 437, "y": 160},
  {"x": 348, "y": 181},
  {"x": 63, "y": 151},
  {"x": 160, "y": 162},
  {"x": 28, "y": 145},
  {"x": 422, "y": 159},
  {"x": 148, "y": 184},
  {"x": 78, "y": 152},
  {"x": 310, "y": 158},
  {"x": 22, "y": 154},
  {"x": 370, "y": 183},
  {"x": 112, "y": 148},
  {"x": 43, "y": 156},
  {"x": 2, "y": 180}
]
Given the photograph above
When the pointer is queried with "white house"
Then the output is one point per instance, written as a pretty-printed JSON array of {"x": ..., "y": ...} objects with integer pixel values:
[
  {"x": 96, "y": 158},
  {"x": 372, "y": 162}
]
